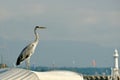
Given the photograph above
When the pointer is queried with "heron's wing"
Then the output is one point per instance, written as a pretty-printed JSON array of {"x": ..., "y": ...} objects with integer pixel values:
[{"x": 26, "y": 52}]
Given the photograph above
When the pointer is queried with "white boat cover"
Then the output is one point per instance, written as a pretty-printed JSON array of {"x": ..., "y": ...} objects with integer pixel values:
[{"x": 23, "y": 74}]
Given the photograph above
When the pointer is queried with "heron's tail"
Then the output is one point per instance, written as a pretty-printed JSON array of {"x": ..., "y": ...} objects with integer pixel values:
[{"x": 18, "y": 61}]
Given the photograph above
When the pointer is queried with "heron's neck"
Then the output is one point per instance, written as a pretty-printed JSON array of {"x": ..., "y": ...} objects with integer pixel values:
[{"x": 36, "y": 36}]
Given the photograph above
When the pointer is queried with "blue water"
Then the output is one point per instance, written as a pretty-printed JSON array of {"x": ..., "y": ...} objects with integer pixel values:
[{"x": 84, "y": 71}]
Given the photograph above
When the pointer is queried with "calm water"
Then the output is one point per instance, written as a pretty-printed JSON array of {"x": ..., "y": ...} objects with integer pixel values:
[{"x": 84, "y": 71}]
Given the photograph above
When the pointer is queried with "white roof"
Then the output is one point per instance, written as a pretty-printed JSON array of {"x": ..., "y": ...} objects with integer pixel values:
[
  {"x": 23, "y": 74},
  {"x": 17, "y": 74}
]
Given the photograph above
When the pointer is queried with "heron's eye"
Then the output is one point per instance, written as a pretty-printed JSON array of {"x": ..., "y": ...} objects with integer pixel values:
[{"x": 37, "y": 26}]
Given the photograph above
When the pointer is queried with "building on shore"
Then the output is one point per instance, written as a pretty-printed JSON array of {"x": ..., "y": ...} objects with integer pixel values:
[
  {"x": 115, "y": 70},
  {"x": 3, "y": 66}
]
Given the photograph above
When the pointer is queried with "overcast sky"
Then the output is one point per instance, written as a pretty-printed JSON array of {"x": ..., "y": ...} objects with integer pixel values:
[{"x": 77, "y": 30}]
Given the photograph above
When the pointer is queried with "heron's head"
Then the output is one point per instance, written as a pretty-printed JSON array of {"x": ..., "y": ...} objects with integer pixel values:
[{"x": 39, "y": 27}]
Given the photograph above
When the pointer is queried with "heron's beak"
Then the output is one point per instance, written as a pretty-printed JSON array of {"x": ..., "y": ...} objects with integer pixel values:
[{"x": 42, "y": 27}]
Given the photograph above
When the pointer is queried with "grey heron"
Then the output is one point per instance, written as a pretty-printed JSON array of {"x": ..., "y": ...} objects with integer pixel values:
[{"x": 29, "y": 49}]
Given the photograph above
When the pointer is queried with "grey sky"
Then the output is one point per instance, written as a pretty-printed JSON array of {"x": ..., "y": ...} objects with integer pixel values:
[{"x": 91, "y": 22}]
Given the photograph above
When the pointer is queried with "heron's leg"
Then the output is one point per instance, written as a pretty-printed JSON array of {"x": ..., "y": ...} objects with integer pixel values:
[{"x": 27, "y": 62}]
